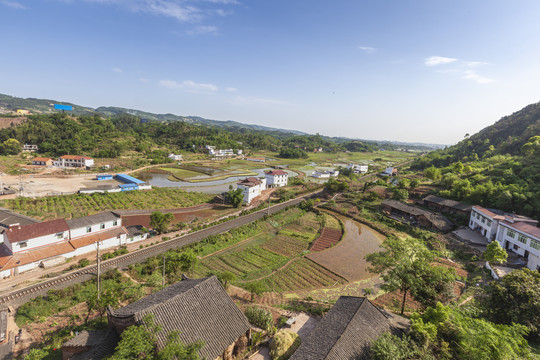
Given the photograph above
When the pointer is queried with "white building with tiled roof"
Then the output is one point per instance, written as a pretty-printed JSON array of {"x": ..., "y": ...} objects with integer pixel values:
[
  {"x": 523, "y": 239},
  {"x": 276, "y": 178},
  {"x": 251, "y": 188}
]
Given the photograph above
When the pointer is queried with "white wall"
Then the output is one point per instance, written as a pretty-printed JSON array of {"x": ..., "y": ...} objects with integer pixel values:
[
  {"x": 276, "y": 180},
  {"x": 96, "y": 228},
  {"x": 504, "y": 237},
  {"x": 485, "y": 224},
  {"x": 39, "y": 241}
]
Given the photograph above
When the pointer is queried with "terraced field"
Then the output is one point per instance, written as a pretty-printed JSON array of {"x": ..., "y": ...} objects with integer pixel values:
[{"x": 301, "y": 274}]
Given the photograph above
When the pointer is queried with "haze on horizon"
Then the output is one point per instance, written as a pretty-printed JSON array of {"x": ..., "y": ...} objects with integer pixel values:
[{"x": 416, "y": 71}]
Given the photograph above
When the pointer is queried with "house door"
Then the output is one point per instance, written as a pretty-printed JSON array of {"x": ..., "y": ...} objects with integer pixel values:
[
  {"x": 526, "y": 256},
  {"x": 507, "y": 245}
]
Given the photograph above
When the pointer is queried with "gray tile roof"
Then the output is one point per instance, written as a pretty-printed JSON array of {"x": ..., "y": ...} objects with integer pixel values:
[
  {"x": 101, "y": 343},
  {"x": 8, "y": 217},
  {"x": 447, "y": 202},
  {"x": 92, "y": 220},
  {"x": 200, "y": 309},
  {"x": 404, "y": 207},
  {"x": 345, "y": 332}
]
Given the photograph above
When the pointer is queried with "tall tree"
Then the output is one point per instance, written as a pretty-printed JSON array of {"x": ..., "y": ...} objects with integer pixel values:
[
  {"x": 405, "y": 265},
  {"x": 160, "y": 221}
]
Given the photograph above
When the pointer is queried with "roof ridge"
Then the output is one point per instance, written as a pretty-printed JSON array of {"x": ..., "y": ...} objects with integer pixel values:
[{"x": 348, "y": 323}]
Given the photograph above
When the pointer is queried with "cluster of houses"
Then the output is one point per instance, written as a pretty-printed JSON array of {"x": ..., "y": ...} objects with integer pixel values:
[
  {"x": 65, "y": 161},
  {"x": 221, "y": 153},
  {"x": 253, "y": 186},
  {"x": 516, "y": 233},
  {"x": 201, "y": 310},
  {"x": 27, "y": 244}
]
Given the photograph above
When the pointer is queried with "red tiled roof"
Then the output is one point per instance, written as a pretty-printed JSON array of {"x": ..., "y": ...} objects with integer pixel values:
[
  {"x": 91, "y": 239},
  {"x": 25, "y": 232},
  {"x": 524, "y": 227},
  {"x": 31, "y": 256},
  {"x": 41, "y": 159},
  {"x": 276, "y": 172},
  {"x": 486, "y": 212},
  {"x": 250, "y": 181},
  {"x": 75, "y": 157}
]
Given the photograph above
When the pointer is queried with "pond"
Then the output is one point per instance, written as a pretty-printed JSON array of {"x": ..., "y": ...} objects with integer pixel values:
[{"x": 211, "y": 187}]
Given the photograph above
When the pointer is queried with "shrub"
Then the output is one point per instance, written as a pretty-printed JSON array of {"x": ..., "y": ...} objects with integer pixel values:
[
  {"x": 259, "y": 317},
  {"x": 283, "y": 345}
]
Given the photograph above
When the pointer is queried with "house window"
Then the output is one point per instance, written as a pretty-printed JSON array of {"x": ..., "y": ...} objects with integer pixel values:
[
  {"x": 59, "y": 235},
  {"x": 535, "y": 244},
  {"x": 23, "y": 245},
  {"x": 489, "y": 222},
  {"x": 115, "y": 222},
  {"x": 102, "y": 226},
  {"x": 516, "y": 247},
  {"x": 88, "y": 229},
  {"x": 483, "y": 219},
  {"x": 522, "y": 239},
  {"x": 511, "y": 233}
]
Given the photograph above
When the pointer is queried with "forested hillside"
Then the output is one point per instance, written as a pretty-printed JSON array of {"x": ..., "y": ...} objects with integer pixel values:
[
  {"x": 59, "y": 134},
  {"x": 498, "y": 167}
]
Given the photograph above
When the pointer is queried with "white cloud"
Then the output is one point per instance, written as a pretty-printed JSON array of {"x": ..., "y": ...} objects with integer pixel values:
[
  {"x": 118, "y": 70},
  {"x": 202, "y": 29},
  {"x": 230, "y": 89},
  {"x": 472, "y": 75},
  {"x": 474, "y": 64},
  {"x": 13, "y": 4},
  {"x": 438, "y": 60},
  {"x": 188, "y": 85},
  {"x": 186, "y": 11},
  {"x": 367, "y": 49}
]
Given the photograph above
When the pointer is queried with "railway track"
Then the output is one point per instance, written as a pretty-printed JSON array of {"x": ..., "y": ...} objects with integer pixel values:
[{"x": 20, "y": 296}]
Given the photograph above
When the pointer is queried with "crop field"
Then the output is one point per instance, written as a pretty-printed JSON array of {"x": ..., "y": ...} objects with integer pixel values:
[
  {"x": 72, "y": 206},
  {"x": 301, "y": 274}
]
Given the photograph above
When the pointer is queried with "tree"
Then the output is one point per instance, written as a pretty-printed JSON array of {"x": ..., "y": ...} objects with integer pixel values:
[
  {"x": 226, "y": 277},
  {"x": 400, "y": 194},
  {"x": 235, "y": 197},
  {"x": 405, "y": 265},
  {"x": 432, "y": 173},
  {"x": 160, "y": 221},
  {"x": 12, "y": 147},
  {"x": 180, "y": 262},
  {"x": 495, "y": 254},
  {"x": 515, "y": 299},
  {"x": 333, "y": 186},
  {"x": 414, "y": 184},
  {"x": 255, "y": 288},
  {"x": 140, "y": 342}
]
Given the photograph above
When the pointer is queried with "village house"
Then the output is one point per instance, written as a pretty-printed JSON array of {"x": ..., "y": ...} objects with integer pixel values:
[
  {"x": 175, "y": 157},
  {"x": 486, "y": 221},
  {"x": 390, "y": 171},
  {"x": 347, "y": 331},
  {"x": 199, "y": 309},
  {"x": 415, "y": 216},
  {"x": 358, "y": 169},
  {"x": 67, "y": 161},
  {"x": 325, "y": 174},
  {"x": 276, "y": 178},
  {"x": 104, "y": 228},
  {"x": 30, "y": 148},
  {"x": 28, "y": 244},
  {"x": 251, "y": 188},
  {"x": 256, "y": 159},
  {"x": 522, "y": 238},
  {"x": 42, "y": 161},
  {"x": 446, "y": 205}
]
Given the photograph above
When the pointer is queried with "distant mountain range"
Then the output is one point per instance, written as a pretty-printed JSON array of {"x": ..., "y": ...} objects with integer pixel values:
[{"x": 46, "y": 106}]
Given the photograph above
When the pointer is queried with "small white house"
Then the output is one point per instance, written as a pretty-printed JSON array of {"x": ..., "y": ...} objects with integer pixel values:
[
  {"x": 358, "y": 169},
  {"x": 522, "y": 238},
  {"x": 175, "y": 157},
  {"x": 251, "y": 187},
  {"x": 325, "y": 174},
  {"x": 276, "y": 178},
  {"x": 485, "y": 222},
  {"x": 67, "y": 161},
  {"x": 19, "y": 238},
  {"x": 389, "y": 171},
  {"x": 105, "y": 228}
]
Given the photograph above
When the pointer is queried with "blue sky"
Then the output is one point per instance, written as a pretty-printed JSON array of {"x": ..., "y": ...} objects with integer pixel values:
[{"x": 407, "y": 70}]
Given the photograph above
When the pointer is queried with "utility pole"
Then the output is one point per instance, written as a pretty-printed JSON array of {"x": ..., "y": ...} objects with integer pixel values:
[
  {"x": 98, "y": 270},
  {"x": 163, "y": 278}
]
